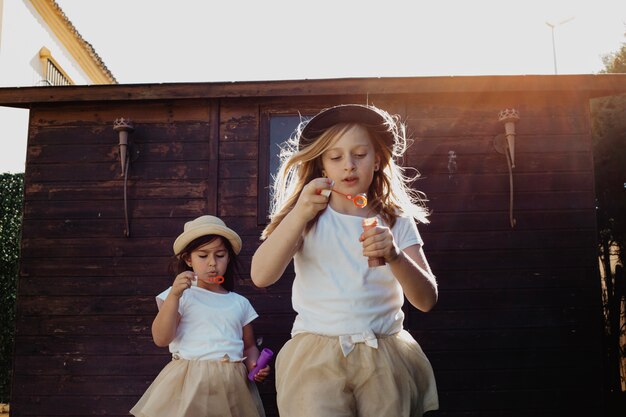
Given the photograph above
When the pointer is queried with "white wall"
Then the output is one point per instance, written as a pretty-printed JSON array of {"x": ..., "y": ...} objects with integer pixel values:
[
  {"x": 13, "y": 138},
  {"x": 22, "y": 34}
]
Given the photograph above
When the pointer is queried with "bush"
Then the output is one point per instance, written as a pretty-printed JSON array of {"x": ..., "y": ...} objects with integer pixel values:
[{"x": 11, "y": 203}]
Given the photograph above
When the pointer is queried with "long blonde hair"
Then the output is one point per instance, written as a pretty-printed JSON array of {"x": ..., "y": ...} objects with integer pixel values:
[{"x": 389, "y": 194}]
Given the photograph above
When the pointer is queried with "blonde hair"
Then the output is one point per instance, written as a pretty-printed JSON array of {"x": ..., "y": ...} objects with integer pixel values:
[{"x": 389, "y": 195}]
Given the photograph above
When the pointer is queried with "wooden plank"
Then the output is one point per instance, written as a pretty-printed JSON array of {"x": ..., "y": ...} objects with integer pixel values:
[
  {"x": 537, "y": 359},
  {"x": 554, "y": 221},
  {"x": 115, "y": 365},
  {"x": 139, "y": 188},
  {"x": 511, "y": 260},
  {"x": 83, "y": 247},
  {"x": 72, "y": 405},
  {"x": 240, "y": 151},
  {"x": 80, "y": 385},
  {"x": 140, "y": 113},
  {"x": 480, "y": 184},
  {"x": 85, "y": 324},
  {"x": 103, "y": 228},
  {"x": 475, "y": 125},
  {"x": 76, "y": 345},
  {"x": 233, "y": 206},
  {"x": 558, "y": 200},
  {"x": 114, "y": 209},
  {"x": 523, "y": 312},
  {"x": 487, "y": 105},
  {"x": 555, "y": 276},
  {"x": 86, "y": 305},
  {"x": 238, "y": 170},
  {"x": 508, "y": 239},
  {"x": 238, "y": 188},
  {"x": 102, "y": 134},
  {"x": 514, "y": 401},
  {"x": 566, "y": 378},
  {"x": 103, "y": 171},
  {"x": 153, "y": 152},
  {"x": 473, "y": 144},
  {"x": 239, "y": 122},
  {"x": 493, "y": 163}
]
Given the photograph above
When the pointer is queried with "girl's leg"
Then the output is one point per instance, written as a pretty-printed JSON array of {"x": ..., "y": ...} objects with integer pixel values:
[
  {"x": 395, "y": 380},
  {"x": 311, "y": 379}
]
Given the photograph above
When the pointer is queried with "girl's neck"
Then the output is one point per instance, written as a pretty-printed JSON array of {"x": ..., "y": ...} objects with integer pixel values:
[
  {"x": 344, "y": 206},
  {"x": 216, "y": 288}
]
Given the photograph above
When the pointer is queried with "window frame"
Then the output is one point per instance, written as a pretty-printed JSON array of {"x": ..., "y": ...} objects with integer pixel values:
[{"x": 265, "y": 143}]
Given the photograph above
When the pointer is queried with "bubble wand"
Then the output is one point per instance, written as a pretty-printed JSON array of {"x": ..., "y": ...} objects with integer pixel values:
[
  {"x": 218, "y": 279},
  {"x": 359, "y": 200}
]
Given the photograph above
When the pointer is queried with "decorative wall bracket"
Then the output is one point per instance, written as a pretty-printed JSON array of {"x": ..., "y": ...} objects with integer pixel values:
[
  {"x": 124, "y": 126},
  {"x": 505, "y": 144}
]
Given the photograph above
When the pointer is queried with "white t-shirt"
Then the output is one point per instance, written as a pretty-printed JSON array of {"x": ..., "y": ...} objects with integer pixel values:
[
  {"x": 211, "y": 324},
  {"x": 334, "y": 292}
]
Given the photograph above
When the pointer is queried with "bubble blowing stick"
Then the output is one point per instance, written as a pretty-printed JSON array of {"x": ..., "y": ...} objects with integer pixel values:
[
  {"x": 218, "y": 279},
  {"x": 359, "y": 200},
  {"x": 367, "y": 224}
]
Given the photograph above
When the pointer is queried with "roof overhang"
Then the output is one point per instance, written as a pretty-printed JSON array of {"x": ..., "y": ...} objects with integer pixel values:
[{"x": 589, "y": 86}]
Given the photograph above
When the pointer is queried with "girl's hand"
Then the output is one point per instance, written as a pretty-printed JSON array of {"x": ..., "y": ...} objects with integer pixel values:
[
  {"x": 378, "y": 242},
  {"x": 262, "y": 374},
  {"x": 311, "y": 201},
  {"x": 181, "y": 283}
]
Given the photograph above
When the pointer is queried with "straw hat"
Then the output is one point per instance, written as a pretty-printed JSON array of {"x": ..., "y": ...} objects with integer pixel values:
[{"x": 206, "y": 225}]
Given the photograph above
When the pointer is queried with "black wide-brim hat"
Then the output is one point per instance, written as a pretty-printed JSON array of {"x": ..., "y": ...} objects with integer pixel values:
[{"x": 369, "y": 116}]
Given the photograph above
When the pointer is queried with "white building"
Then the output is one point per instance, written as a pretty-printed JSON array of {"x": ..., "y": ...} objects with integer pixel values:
[{"x": 39, "y": 46}]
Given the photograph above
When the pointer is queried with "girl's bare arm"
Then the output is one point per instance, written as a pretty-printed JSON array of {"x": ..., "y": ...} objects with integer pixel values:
[
  {"x": 251, "y": 353},
  {"x": 275, "y": 253},
  {"x": 166, "y": 321},
  {"x": 271, "y": 258},
  {"x": 412, "y": 271}
]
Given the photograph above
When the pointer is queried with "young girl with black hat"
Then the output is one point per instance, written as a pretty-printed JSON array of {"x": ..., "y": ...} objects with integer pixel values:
[
  {"x": 349, "y": 354},
  {"x": 208, "y": 331}
]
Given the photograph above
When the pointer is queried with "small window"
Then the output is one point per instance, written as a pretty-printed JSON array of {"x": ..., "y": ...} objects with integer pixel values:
[
  {"x": 276, "y": 130},
  {"x": 51, "y": 72}
]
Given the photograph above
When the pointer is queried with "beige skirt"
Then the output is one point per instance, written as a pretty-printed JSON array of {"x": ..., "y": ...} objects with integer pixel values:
[
  {"x": 314, "y": 378},
  {"x": 188, "y": 388}
]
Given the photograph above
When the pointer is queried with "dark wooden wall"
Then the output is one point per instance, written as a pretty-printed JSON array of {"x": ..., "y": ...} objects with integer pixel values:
[{"x": 517, "y": 328}]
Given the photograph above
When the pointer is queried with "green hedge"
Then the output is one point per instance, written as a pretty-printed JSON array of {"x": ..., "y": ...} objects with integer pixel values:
[{"x": 11, "y": 203}]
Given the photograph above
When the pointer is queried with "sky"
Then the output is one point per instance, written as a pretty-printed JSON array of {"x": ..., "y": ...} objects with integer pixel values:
[
  {"x": 235, "y": 40},
  {"x": 157, "y": 41}
]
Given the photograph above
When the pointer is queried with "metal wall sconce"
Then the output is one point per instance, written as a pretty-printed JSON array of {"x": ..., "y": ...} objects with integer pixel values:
[
  {"x": 505, "y": 144},
  {"x": 124, "y": 126}
]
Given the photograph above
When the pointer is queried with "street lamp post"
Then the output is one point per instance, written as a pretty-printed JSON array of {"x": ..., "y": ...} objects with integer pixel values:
[{"x": 552, "y": 26}]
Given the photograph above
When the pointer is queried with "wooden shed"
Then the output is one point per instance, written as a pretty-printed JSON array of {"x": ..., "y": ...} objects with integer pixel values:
[{"x": 516, "y": 332}]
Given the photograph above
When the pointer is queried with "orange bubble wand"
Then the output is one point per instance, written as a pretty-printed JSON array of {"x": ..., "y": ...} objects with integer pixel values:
[
  {"x": 218, "y": 279},
  {"x": 359, "y": 200}
]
